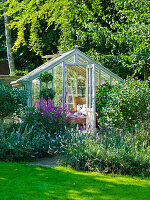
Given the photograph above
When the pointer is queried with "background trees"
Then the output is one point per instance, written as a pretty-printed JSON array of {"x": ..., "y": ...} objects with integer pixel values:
[
  {"x": 136, "y": 33},
  {"x": 113, "y": 32},
  {"x": 24, "y": 57},
  {"x": 3, "y": 51}
]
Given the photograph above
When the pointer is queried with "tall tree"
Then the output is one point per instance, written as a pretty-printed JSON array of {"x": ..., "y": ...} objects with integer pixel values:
[
  {"x": 8, "y": 39},
  {"x": 136, "y": 32},
  {"x": 3, "y": 50}
]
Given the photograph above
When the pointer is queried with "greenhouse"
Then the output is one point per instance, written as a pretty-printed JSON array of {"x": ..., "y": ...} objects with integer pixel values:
[{"x": 75, "y": 77}]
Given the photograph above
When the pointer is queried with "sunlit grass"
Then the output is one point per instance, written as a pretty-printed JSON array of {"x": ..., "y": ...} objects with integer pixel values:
[{"x": 22, "y": 182}]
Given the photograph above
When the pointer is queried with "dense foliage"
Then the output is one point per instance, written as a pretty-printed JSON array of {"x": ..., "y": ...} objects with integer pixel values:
[
  {"x": 42, "y": 131},
  {"x": 102, "y": 97},
  {"x": 109, "y": 28},
  {"x": 127, "y": 103},
  {"x": 110, "y": 151},
  {"x": 122, "y": 143},
  {"x": 48, "y": 114},
  {"x": 47, "y": 129},
  {"x": 135, "y": 33},
  {"x": 46, "y": 77},
  {"x": 25, "y": 59},
  {"x": 23, "y": 143},
  {"x": 46, "y": 92},
  {"x": 12, "y": 100}
]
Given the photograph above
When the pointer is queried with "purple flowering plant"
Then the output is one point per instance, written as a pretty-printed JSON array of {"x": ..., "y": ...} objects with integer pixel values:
[{"x": 53, "y": 116}]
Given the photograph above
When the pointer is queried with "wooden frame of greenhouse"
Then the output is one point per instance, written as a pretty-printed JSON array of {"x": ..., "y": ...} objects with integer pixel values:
[{"x": 74, "y": 74}]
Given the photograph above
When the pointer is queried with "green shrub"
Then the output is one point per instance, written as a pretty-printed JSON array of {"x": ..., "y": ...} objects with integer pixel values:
[
  {"x": 89, "y": 156},
  {"x": 111, "y": 152},
  {"x": 47, "y": 92},
  {"x": 27, "y": 142},
  {"x": 127, "y": 103},
  {"x": 30, "y": 142},
  {"x": 43, "y": 131},
  {"x": 46, "y": 77},
  {"x": 12, "y": 100},
  {"x": 23, "y": 143},
  {"x": 102, "y": 97},
  {"x": 20, "y": 72},
  {"x": 142, "y": 131}
]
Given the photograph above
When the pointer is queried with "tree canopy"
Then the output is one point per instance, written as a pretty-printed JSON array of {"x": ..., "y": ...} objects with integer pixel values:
[
  {"x": 135, "y": 32},
  {"x": 107, "y": 30}
]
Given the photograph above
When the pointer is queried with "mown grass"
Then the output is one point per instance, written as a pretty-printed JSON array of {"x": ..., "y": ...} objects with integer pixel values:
[{"x": 22, "y": 182}]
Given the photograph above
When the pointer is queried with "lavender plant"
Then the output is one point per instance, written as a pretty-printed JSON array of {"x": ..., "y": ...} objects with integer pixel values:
[
  {"x": 23, "y": 143},
  {"x": 110, "y": 150}
]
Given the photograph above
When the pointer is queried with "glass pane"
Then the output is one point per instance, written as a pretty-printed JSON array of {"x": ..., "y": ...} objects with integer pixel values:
[
  {"x": 49, "y": 85},
  {"x": 80, "y": 70},
  {"x": 113, "y": 81},
  {"x": 70, "y": 59},
  {"x": 104, "y": 77},
  {"x": 81, "y": 91},
  {"x": 75, "y": 85},
  {"x": 81, "y": 85},
  {"x": 91, "y": 82},
  {"x": 35, "y": 91},
  {"x": 90, "y": 87},
  {"x": 58, "y": 81},
  {"x": 97, "y": 77},
  {"x": 70, "y": 84},
  {"x": 81, "y": 59}
]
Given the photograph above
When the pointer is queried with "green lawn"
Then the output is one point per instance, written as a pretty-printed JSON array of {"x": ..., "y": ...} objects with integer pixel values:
[{"x": 19, "y": 181}]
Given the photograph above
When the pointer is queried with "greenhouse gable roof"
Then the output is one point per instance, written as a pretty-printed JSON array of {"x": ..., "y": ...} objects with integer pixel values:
[{"x": 61, "y": 58}]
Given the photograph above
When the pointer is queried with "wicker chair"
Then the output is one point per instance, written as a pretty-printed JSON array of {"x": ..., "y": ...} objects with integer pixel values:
[{"x": 79, "y": 101}]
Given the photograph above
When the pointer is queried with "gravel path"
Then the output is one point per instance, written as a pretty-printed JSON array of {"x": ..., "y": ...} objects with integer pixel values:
[{"x": 49, "y": 161}]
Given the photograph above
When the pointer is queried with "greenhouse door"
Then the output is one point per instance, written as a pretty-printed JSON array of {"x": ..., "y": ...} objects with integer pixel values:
[{"x": 90, "y": 121}]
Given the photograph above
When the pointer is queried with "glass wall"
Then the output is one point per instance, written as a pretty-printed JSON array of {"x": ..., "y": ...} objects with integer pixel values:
[
  {"x": 81, "y": 88},
  {"x": 104, "y": 77},
  {"x": 58, "y": 81},
  {"x": 75, "y": 83},
  {"x": 97, "y": 78},
  {"x": 113, "y": 81},
  {"x": 90, "y": 86},
  {"x": 71, "y": 59},
  {"x": 35, "y": 91},
  {"x": 70, "y": 84},
  {"x": 81, "y": 60}
]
